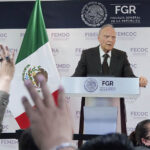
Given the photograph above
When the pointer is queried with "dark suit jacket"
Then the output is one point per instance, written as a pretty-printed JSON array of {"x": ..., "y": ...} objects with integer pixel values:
[{"x": 90, "y": 64}]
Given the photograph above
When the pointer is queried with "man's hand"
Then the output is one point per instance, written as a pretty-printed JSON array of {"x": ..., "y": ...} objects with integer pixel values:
[
  {"x": 143, "y": 81},
  {"x": 7, "y": 68},
  {"x": 50, "y": 125}
]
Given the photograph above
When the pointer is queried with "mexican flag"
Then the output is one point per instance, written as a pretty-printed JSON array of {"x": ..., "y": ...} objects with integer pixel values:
[{"x": 35, "y": 57}]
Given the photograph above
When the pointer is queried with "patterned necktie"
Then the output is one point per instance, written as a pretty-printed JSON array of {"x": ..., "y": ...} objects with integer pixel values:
[{"x": 105, "y": 67}]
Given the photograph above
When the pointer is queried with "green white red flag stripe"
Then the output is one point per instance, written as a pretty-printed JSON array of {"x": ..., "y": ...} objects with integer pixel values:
[{"x": 35, "y": 56}]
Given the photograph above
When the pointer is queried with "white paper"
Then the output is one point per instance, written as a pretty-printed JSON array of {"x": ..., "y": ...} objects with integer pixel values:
[{"x": 100, "y": 120}]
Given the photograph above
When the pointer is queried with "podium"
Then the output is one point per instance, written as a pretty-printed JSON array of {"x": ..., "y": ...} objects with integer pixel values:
[{"x": 102, "y": 104}]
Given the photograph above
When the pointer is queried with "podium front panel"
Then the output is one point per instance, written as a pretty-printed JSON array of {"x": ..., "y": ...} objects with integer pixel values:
[{"x": 101, "y": 86}]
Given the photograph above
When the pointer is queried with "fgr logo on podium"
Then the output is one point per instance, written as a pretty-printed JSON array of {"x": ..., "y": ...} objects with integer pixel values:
[
  {"x": 107, "y": 85},
  {"x": 125, "y": 9}
]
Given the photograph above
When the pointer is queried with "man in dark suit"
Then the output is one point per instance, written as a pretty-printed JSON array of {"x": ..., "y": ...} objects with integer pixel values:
[
  {"x": 105, "y": 60},
  {"x": 91, "y": 62}
]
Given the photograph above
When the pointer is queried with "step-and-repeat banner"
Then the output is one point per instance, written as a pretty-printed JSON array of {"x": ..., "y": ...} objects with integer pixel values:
[{"x": 73, "y": 26}]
